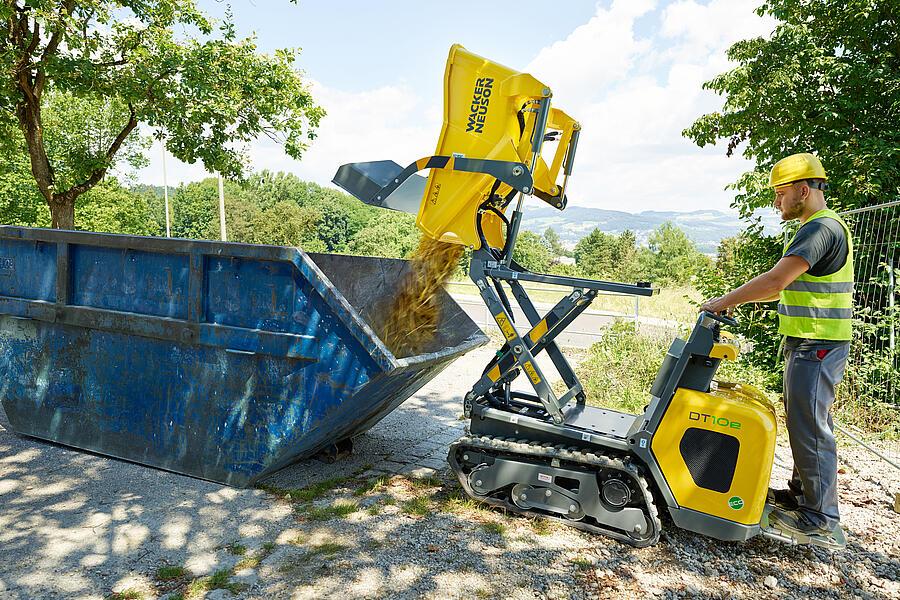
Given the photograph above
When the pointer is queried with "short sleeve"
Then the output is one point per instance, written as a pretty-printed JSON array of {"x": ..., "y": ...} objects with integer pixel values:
[{"x": 811, "y": 243}]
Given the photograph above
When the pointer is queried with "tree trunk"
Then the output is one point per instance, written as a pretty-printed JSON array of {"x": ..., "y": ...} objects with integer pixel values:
[{"x": 62, "y": 214}]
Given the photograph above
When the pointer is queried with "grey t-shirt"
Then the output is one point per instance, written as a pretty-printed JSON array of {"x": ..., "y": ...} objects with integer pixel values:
[{"x": 823, "y": 244}]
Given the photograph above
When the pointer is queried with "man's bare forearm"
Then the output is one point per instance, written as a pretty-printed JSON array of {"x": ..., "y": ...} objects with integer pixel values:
[{"x": 762, "y": 288}]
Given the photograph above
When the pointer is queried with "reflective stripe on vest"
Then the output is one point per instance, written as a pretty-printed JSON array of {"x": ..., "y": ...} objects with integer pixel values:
[{"x": 819, "y": 307}]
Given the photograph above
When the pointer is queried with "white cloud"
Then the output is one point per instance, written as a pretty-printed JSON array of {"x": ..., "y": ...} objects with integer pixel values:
[
  {"x": 389, "y": 122},
  {"x": 594, "y": 55},
  {"x": 632, "y": 155},
  {"x": 633, "y": 92}
]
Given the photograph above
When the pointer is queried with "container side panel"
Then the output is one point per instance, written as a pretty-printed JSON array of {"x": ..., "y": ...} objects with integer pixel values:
[
  {"x": 121, "y": 279},
  {"x": 197, "y": 410},
  {"x": 259, "y": 294},
  {"x": 28, "y": 269}
]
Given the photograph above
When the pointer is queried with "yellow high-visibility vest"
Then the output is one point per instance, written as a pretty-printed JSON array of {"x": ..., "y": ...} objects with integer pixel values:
[{"x": 819, "y": 307}]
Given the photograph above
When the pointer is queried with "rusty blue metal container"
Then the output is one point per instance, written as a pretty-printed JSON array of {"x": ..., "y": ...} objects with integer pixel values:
[{"x": 217, "y": 360}]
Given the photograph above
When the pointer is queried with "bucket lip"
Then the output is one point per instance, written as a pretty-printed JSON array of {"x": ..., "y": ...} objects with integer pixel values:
[{"x": 477, "y": 339}]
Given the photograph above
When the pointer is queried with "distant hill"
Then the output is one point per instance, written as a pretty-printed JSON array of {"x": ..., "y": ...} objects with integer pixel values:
[{"x": 705, "y": 227}]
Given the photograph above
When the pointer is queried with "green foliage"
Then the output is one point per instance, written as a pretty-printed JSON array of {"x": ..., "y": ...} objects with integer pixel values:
[
  {"x": 20, "y": 201},
  {"x": 554, "y": 243},
  {"x": 342, "y": 216},
  {"x": 740, "y": 259},
  {"x": 826, "y": 81},
  {"x": 390, "y": 234},
  {"x": 532, "y": 252},
  {"x": 250, "y": 217},
  {"x": 78, "y": 130},
  {"x": 115, "y": 64},
  {"x": 674, "y": 258},
  {"x": 602, "y": 255},
  {"x": 671, "y": 259},
  {"x": 619, "y": 370},
  {"x": 111, "y": 208}
]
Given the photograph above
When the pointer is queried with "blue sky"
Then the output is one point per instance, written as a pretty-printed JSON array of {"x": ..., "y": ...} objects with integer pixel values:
[{"x": 630, "y": 71}]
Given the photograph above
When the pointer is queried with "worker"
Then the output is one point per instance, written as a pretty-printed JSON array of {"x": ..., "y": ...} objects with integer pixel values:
[{"x": 813, "y": 282}]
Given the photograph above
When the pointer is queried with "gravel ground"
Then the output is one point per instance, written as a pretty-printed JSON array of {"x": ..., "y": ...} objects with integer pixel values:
[{"x": 388, "y": 522}]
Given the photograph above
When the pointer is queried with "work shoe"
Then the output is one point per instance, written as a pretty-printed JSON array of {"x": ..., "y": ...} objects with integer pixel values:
[
  {"x": 785, "y": 499},
  {"x": 805, "y": 531}
]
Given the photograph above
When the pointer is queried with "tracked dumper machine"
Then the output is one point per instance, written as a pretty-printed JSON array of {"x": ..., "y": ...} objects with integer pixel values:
[{"x": 701, "y": 452}]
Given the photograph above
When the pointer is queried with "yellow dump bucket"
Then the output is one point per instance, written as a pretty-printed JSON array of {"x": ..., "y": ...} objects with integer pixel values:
[
  {"x": 486, "y": 115},
  {"x": 485, "y": 152}
]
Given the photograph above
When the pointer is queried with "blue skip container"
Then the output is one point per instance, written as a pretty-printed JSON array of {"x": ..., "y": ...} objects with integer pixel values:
[{"x": 221, "y": 361}]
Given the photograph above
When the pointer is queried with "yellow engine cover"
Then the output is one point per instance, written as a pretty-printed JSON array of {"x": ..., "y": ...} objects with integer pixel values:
[{"x": 715, "y": 451}]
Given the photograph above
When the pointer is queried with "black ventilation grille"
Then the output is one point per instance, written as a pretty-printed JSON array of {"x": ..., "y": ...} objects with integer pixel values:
[{"x": 711, "y": 458}]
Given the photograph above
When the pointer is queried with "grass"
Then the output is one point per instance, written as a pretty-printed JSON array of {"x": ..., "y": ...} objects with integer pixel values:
[
  {"x": 308, "y": 493},
  {"x": 494, "y": 527},
  {"x": 426, "y": 482},
  {"x": 618, "y": 371},
  {"x": 542, "y": 526},
  {"x": 170, "y": 572},
  {"x": 373, "y": 485},
  {"x": 129, "y": 594},
  {"x": 325, "y": 549},
  {"x": 220, "y": 580},
  {"x": 417, "y": 507},
  {"x": 581, "y": 563},
  {"x": 338, "y": 510}
]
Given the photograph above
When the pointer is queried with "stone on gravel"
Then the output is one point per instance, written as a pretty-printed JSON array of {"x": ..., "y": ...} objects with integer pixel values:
[{"x": 770, "y": 582}]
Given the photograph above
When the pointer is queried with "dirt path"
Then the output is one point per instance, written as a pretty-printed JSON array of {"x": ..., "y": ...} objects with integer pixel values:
[{"x": 75, "y": 525}]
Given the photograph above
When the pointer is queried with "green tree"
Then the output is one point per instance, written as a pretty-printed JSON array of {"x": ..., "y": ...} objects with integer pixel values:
[
  {"x": 112, "y": 208},
  {"x": 341, "y": 216},
  {"x": 20, "y": 201},
  {"x": 195, "y": 212},
  {"x": 739, "y": 259},
  {"x": 554, "y": 243},
  {"x": 287, "y": 224},
  {"x": 532, "y": 252},
  {"x": 594, "y": 254},
  {"x": 826, "y": 81},
  {"x": 390, "y": 234},
  {"x": 210, "y": 95},
  {"x": 675, "y": 259},
  {"x": 609, "y": 256}
]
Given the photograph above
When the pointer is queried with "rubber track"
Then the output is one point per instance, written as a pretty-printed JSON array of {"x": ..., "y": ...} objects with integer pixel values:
[{"x": 568, "y": 453}]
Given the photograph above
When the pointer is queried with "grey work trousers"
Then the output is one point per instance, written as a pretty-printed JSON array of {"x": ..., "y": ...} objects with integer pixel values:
[{"x": 811, "y": 372}]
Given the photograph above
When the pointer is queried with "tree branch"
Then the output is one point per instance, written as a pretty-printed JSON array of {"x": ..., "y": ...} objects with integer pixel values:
[
  {"x": 65, "y": 11},
  {"x": 76, "y": 190}
]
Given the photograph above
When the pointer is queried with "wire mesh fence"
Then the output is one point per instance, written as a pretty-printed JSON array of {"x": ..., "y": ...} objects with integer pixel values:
[{"x": 868, "y": 403}]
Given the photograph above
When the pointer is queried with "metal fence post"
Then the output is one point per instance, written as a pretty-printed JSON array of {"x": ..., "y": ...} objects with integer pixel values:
[{"x": 637, "y": 312}]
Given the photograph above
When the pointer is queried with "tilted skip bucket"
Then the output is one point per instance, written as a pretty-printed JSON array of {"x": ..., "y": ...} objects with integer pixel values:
[{"x": 217, "y": 360}]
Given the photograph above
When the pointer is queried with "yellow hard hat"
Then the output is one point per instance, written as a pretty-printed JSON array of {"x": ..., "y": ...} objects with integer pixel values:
[{"x": 796, "y": 167}]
